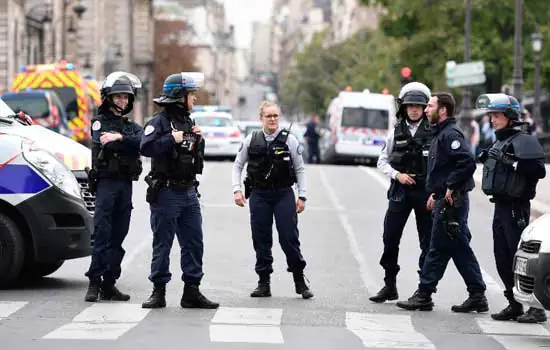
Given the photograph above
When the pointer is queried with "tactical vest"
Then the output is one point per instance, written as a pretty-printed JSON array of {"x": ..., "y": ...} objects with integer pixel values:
[
  {"x": 410, "y": 153},
  {"x": 112, "y": 162},
  {"x": 501, "y": 180},
  {"x": 270, "y": 164},
  {"x": 182, "y": 163}
]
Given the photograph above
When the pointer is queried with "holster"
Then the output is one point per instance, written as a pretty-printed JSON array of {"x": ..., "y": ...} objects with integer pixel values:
[
  {"x": 153, "y": 189},
  {"x": 450, "y": 216},
  {"x": 92, "y": 180}
]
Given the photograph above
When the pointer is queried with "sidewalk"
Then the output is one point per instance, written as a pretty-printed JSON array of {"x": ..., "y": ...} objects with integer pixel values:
[{"x": 541, "y": 204}]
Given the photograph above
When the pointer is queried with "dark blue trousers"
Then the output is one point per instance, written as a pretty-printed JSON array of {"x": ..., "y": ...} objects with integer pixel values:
[
  {"x": 177, "y": 212},
  {"x": 506, "y": 237},
  {"x": 403, "y": 200},
  {"x": 113, "y": 208},
  {"x": 443, "y": 248},
  {"x": 281, "y": 204}
]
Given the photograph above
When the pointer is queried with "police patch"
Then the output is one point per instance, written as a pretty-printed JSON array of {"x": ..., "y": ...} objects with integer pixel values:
[
  {"x": 149, "y": 130},
  {"x": 96, "y": 125},
  {"x": 300, "y": 149},
  {"x": 455, "y": 144}
]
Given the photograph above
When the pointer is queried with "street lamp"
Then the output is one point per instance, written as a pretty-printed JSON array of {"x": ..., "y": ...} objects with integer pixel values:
[{"x": 536, "y": 41}]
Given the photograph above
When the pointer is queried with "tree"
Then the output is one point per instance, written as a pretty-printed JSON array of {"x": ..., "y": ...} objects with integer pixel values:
[
  {"x": 172, "y": 55},
  {"x": 433, "y": 33}
]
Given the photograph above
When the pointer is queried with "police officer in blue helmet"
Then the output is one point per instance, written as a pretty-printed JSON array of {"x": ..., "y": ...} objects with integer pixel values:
[
  {"x": 512, "y": 167},
  {"x": 176, "y": 148},
  {"x": 115, "y": 164}
]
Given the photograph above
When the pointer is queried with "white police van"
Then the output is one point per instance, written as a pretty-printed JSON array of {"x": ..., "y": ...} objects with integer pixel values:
[
  {"x": 532, "y": 265},
  {"x": 43, "y": 218}
]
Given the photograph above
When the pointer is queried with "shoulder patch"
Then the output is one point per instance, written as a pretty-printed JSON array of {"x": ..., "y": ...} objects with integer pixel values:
[
  {"x": 149, "y": 130},
  {"x": 455, "y": 144},
  {"x": 96, "y": 125}
]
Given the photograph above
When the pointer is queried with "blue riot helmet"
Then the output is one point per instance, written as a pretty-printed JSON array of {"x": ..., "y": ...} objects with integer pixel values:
[
  {"x": 413, "y": 93},
  {"x": 177, "y": 86},
  {"x": 506, "y": 104},
  {"x": 119, "y": 83}
]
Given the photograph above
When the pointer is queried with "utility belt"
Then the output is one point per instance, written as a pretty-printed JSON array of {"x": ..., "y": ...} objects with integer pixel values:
[
  {"x": 121, "y": 167},
  {"x": 156, "y": 184},
  {"x": 249, "y": 185}
]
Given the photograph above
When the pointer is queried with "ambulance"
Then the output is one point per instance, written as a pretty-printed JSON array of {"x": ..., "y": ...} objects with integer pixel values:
[
  {"x": 359, "y": 123},
  {"x": 44, "y": 219},
  {"x": 70, "y": 86}
]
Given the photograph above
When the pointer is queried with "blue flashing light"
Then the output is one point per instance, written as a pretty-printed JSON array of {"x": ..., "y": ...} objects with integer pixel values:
[
  {"x": 22, "y": 68},
  {"x": 69, "y": 66}
]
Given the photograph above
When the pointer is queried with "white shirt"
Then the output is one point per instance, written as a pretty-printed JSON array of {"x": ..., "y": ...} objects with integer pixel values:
[{"x": 384, "y": 158}]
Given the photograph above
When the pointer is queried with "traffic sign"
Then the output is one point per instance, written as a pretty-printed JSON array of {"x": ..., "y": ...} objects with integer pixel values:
[{"x": 465, "y": 74}]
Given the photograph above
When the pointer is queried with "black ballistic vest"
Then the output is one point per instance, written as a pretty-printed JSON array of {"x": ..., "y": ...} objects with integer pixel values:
[
  {"x": 410, "y": 153},
  {"x": 502, "y": 180},
  {"x": 182, "y": 163},
  {"x": 270, "y": 164},
  {"x": 113, "y": 161}
]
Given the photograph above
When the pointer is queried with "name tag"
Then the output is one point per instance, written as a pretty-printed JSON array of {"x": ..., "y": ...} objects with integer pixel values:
[{"x": 425, "y": 153}]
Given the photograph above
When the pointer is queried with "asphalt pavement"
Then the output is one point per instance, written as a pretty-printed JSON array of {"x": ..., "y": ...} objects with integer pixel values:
[{"x": 341, "y": 240}]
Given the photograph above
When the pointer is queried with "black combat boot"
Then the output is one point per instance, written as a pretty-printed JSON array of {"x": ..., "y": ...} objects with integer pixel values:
[
  {"x": 475, "y": 302},
  {"x": 533, "y": 316},
  {"x": 510, "y": 312},
  {"x": 92, "y": 295},
  {"x": 263, "y": 289},
  {"x": 192, "y": 298},
  {"x": 301, "y": 286},
  {"x": 157, "y": 299},
  {"x": 419, "y": 301},
  {"x": 110, "y": 292},
  {"x": 388, "y": 292}
]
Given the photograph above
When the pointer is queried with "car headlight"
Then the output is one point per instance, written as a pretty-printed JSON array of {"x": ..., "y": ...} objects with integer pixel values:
[{"x": 53, "y": 170}]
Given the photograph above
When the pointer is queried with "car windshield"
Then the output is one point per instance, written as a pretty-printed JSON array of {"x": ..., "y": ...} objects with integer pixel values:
[
  {"x": 213, "y": 121},
  {"x": 67, "y": 95},
  {"x": 35, "y": 105},
  {"x": 365, "y": 118}
]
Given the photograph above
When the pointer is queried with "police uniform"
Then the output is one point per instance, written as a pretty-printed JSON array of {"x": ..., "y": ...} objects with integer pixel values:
[
  {"x": 172, "y": 192},
  {"x": 406, "y": 152},
  {"x": 114, "y": 166},
  {"x": 450, "y": 166},
  {"x": 275, "y": 163},
  {"x": 512, "y": 167}
]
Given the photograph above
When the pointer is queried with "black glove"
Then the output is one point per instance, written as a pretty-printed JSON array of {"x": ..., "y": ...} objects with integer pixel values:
[
  {"x": 501, "y": 156},
  {"x": 483, "y": 155}
]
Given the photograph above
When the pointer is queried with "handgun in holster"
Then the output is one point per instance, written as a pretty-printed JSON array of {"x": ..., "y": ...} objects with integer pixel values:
[
  {"x": 247, "y": 188},
  {"x": 92, "y": 180},
  {"x": 153, "y": 189},
  {"x": 449, "y": 214}
]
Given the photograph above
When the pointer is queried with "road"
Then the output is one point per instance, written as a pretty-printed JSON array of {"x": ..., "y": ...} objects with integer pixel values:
[{"x": 341, "y": 240}]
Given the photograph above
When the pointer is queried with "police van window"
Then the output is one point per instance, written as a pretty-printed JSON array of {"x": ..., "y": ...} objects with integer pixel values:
[
  {"x": 67, "y": 95},
  {"x": 365, "y": 118},
  {"x": 213, "y": 121},
  {"x": 34, "y": 105}
]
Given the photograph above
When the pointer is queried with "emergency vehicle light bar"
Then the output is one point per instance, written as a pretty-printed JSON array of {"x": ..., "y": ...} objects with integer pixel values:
[{"x": 63, "y": 65}]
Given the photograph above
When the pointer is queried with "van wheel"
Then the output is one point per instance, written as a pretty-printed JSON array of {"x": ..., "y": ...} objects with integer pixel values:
[
  {"x": 37, "y": 270},
  {"x": 12, "y": 251}
]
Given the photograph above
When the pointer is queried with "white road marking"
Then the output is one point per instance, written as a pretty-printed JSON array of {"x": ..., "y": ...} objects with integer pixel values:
[
  {"x": 102, "y": 321},
  {"x": 10, "y": 307},
  {"x": 386, "y": 331},
  {"x": 247, "y": 325},
  {"x": 491, "y": 326},
  {"x": 350, "y": 234}
]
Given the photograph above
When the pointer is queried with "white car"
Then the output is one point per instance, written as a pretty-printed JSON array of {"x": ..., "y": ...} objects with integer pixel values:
[{"x": 222, "y": 135}]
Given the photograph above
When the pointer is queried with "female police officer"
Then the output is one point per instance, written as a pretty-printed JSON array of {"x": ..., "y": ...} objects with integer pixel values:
[
  {"x": 115, "y": 164},
  {"x": 275, "y": 163},
  {"x": 176, "y": 147}
]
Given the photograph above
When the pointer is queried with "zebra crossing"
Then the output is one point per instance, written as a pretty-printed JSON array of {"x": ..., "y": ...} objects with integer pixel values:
[{"x": 399, "y": 330}]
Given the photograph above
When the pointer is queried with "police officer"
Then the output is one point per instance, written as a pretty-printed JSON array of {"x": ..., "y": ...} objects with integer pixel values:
[
  {"x": 176, "y": 148},
  {"x": 450, "y": 177},
  {"x": 404, "y": 159},
  {"x": 275, "y": 163},
  {"x": 511, "y": 170},
  {"x": 115, "y": 164}
]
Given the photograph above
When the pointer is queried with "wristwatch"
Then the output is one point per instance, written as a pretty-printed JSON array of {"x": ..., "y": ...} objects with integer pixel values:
[{"x": 303, "y": 198}]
